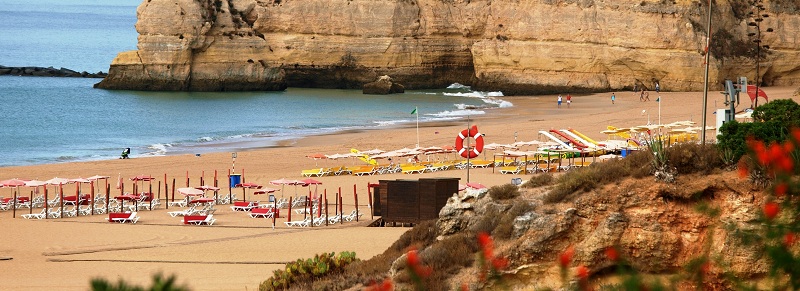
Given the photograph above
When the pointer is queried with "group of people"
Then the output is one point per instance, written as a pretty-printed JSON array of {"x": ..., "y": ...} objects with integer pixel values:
[{"x": 560, "y": 99}]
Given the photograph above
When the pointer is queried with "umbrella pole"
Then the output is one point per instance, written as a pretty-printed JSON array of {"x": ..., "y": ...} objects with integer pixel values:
[
  {"x": 93, "y": 196},
  {"x": 46, "y": 207},
  {"x": 14, "y": 205},
  {"x": 150, "y": 196},
  {"x": 277, "y": 212},
  {"x": 289, "y": 213},
  {"x": 355, "y": 196},
  {"x": 369, "y": 198},
  {"x": 108, "y": 193},
  {"x": 31, "y": 202}
]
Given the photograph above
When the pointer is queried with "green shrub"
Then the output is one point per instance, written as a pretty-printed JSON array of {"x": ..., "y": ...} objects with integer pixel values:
[
  {"x": 639, "y": 163},
  {"x": 424, "y": 233},
  {"x": 503, "y": 192},
  {"x": 771, "y": 122},
  {"x": 318, "y": 266},
  {"x": 689, "y": 158},
  {"x": 159, "y": 284},
  {"x": 540, "y": 180},
  {"x": 569, "y": 183}
]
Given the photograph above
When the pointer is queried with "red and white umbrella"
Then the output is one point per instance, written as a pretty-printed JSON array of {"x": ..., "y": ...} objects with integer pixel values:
[
  {"x": 189, "y": 191},
  {"x": 284, "y": 182},
  {"x": 265, "y": 190},
  {"x": 12, "y": 183}
]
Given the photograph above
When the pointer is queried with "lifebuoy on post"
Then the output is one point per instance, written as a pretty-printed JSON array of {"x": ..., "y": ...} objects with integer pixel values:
[{"x": 465, "y": 152}]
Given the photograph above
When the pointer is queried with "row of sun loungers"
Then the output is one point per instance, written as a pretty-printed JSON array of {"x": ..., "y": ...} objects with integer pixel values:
[{"x": 318, "y": 221}]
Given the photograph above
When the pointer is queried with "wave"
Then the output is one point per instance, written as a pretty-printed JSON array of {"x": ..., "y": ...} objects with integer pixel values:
[
  {"x": 158, "y": 149},
  {"x": 458, "y": 86},
  {"x": 458, "y": 113}
]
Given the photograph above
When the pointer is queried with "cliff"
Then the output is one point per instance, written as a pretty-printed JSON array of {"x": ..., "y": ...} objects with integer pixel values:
[{"x": 517, "y": 46}]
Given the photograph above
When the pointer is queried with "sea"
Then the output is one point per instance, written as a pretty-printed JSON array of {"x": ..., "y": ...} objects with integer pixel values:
[{"x": 47, "y": 120}]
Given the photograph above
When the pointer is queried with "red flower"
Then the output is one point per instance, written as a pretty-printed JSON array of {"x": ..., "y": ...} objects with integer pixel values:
[
  {"x": 412, "y": 258},
  {"x": 499, "y": 263},
  {"x": 612, "y": 253},
  {"x": 484, "y": 239},
  {"x": 781, "y": 189},
  {"x": 487, "y": 245},
  {"x": 796, "y": 134},
  {"x": 785, "y": 163},
  {"x": 771, "y": 210},
  {"x": 566, "y": 257},
  {"x": 386, "y": 285},
  {"x": 582, "y": 272},
  {"x": 789, "y": 239},
  {"x": 788, "y": 147}
]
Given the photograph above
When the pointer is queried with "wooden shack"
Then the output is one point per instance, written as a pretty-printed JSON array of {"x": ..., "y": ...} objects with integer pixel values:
[{"x": 412, "y": 201}]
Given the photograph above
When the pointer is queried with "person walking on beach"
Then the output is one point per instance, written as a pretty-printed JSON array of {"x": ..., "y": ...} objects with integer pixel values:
[
  {"x": 646, "y": 95},
  {"x": 569, "y": 100},
  {"x": 559, "y": 101},
  {"x": 658, "y": 88},
  {"x": 613, "y": 98}
]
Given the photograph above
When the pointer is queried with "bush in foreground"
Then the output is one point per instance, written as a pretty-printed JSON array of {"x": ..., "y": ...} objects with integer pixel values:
[{"x": 159, "y": 284}]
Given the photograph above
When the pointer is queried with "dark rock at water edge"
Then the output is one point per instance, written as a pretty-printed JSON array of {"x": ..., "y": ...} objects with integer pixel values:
[
  {"x": 384, "y": 85},
  {"x": 48, "y": 72}
]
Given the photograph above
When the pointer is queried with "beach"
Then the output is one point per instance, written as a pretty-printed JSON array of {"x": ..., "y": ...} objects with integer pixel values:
[{"x": 238, "y": 252}]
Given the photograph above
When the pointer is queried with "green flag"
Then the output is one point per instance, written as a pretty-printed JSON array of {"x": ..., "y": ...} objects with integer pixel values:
[
  {"x": 414, "y": 111},
  {"x": 658, "y": 99}
]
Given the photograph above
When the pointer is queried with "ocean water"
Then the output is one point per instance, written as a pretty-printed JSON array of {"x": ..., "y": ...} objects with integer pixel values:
[{"x": 49, "y": 120}]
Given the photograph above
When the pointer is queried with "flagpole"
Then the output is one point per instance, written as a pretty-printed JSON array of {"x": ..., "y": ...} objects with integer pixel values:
[
  {"x": 416, "y": 110},
  {"x": 705, "y": 85}
]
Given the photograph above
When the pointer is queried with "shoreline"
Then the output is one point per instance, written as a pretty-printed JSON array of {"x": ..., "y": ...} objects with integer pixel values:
[{"x": 245, "y": 250}]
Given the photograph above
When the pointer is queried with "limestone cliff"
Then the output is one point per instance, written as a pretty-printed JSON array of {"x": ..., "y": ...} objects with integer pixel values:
[{"x": 517, "y": 46}]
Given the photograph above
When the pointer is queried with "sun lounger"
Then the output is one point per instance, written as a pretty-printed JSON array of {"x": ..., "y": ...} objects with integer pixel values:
[
  {"x": 262, "y": 213},
  {"x": 301, "y": 223},
  {"x": 244, "y": 205},
  {"x": 39, "y": 215},
  {"x": 364, "y": 171},
  {"x": 185, "y": 212},
  {"x": 480, "y": 163},
  {"x": 199, "y": 219},
  {"x": 352, "y": 216},
  {"x": 510, "y": 170},
  {"x": 123, "y": 217},
  {"x": 315, "y": 172},
  {"x": 413, "y": 169}
]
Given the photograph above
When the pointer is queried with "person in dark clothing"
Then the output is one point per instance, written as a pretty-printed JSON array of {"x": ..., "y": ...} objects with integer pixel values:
[{"x": 125, "y": 153}]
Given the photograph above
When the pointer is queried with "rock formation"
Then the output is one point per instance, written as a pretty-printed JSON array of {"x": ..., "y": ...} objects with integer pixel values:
[
  {"x": 383, "y": 86},
  {"x": 655, "y": 227},
  {"x": 48, "y": 72},
  {"x": 518, "y": 47}
]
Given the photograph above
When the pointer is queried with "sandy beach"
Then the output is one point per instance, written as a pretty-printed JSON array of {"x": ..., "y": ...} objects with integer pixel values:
[{"x": 238, "y": 252}]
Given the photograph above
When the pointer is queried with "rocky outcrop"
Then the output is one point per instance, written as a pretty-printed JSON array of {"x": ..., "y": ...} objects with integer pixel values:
[
  {"x": 48, "y": 72},
  {"x": 518, "y": 47},
  {"x": 383, "y": 86},
  {"x": 655, "y": 227}
]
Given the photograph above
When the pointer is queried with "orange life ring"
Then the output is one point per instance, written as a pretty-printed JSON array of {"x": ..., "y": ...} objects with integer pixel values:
[{"x": 465, "y": 152}]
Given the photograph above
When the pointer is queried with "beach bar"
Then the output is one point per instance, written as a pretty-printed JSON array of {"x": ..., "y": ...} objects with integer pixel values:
[{"x": 412, "y": 201}]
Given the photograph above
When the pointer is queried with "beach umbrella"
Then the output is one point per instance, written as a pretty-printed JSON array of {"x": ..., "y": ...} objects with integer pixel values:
[
  {"x": 189, "y": 191},
  {"x": 373, "y": 152},
  {"x": 265, "y": 190},
  {"x": 12, "y": 183},
  {"x": 282, "y": 182},
  {"x": 246, "y": 186},
  {"x": 308, "y": 182},
  {"x": 316, "y": 157}
]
